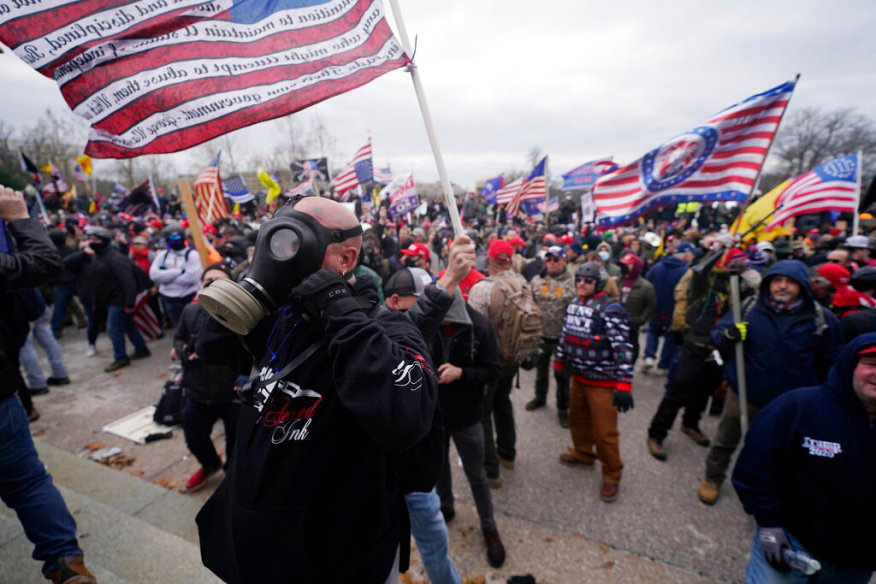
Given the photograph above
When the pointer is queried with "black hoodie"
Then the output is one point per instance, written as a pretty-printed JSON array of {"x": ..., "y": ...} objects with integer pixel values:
[
  {"x": 809, "y": 466},
  {"x": 313, "y": 492}
]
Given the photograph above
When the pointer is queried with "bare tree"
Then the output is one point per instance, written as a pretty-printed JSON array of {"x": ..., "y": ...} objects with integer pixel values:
[
  {"x": 533, "y": 156},
  {"x": 811, "y": 136}
]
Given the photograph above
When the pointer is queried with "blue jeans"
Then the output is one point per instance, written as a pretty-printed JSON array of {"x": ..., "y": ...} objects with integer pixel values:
[
  {"x": 118, "y": 324},
  {"x": 173, "y": 307},
  {"x": 430, "y": 533},
  {"x": 758, "y": 570},
  {"x": 27, "y": 488},
  {"x": 95, "y": 318},
  {"x": 62, "y": 294},
  {"x": 659, "y": 327},
  {"x": 41, "y": 332}
]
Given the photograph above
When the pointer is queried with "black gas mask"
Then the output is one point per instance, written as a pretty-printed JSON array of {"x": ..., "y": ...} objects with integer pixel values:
[{"x": 289, "y": 247}]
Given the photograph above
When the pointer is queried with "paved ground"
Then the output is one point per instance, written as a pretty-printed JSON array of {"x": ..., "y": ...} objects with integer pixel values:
[{"x": 550, "y": 517}]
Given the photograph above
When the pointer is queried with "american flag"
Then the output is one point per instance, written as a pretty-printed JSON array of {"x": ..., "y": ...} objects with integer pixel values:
[
  {"x": 358, "y": 171},
  {"x": 235, "y": 189},
  {"x": 832, "y": 186},
  {"x": 383, "y": 175},
  {"x": 153, "y": 76},
  {"x": 79, "y": 173},
  {"x": 553, "y": 205},
  {"x": 716, "y": 161},
  {"x": 507, "y": 193},
  {"x": 534, "y": 187},
  {"x": 208, "y": 195},
  {"x": 57, "y": 186},
  {"x": 302, "y": 189}
]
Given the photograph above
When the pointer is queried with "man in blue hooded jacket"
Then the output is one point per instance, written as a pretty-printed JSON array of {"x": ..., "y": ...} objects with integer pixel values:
[
  {"x": 789, "y": 341},
  {"x": 808, "y": 475}
]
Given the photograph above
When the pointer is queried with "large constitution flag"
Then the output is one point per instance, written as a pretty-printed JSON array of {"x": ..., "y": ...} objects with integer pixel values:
[
  {"x": 832, "y": 186},
  {"x": 716, "y": 161},
  {"x": 160, "y": 76}
]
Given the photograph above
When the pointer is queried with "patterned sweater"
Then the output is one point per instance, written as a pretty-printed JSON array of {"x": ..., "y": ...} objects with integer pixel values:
[{"x": 595, "y": 345}]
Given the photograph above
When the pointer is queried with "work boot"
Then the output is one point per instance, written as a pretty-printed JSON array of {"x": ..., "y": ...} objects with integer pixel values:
[
  {"x": 571, "y": 459},
  {"x": 38, "y": 391},
  {"x": 563, "y": 417},
  {"x": 449, "y": 513},
  {"x": 609, "y": 491},
  {"x": 709, "y": 492},
  {"x": 696, "y": 435},
  {"x": 656, "y": 449},
  {"x": 495, "y": 549},
  {"x": 506, "y": 463},
  {"x": 33, "y": 415},
  {"x": 535, "y": 403},
  {"x": 142, "y": 354},
  {"x": 495, "y": 482},
  {"x": 116, "y": 365},
  {"x": 70, "y": 570}
]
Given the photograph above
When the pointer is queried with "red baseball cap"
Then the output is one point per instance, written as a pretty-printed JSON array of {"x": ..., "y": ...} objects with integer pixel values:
[
  {"x": 500, "y": 250},
  {"x": 418, "y": 249},
  {"x": 517, "y": 241}
]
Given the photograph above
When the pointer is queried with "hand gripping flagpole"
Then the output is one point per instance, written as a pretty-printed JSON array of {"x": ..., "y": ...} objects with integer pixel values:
[{"x": 449, "y": 200}]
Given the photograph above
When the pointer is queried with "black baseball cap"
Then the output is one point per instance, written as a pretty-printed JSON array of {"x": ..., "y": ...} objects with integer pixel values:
[{"x": 407, "y": 282}]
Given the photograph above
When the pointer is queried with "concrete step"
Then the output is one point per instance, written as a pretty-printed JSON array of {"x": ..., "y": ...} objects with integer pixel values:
[{"x": 131, "y": 531}]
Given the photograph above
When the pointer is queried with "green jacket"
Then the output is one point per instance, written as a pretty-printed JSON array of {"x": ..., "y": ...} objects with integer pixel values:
[{"x": 641, "y": 302}]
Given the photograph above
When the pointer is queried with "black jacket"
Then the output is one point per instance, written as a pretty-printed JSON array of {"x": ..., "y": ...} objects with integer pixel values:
[
  {"x": 313, "y": 493},
  {"x": 32, "y": 260},
  {"x": 809, "y": 466},
  {"x": 475, "y": 350},
  {"x": 206, "y": 383},
  {"x": 105, "y": 279}
]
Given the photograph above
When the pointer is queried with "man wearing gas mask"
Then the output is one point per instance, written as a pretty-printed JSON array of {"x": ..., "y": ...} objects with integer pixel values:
[{"x": 341, "y": 390}]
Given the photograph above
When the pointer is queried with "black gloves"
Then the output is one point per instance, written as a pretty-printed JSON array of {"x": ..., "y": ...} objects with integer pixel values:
[
  {"x": 623, "y": 400},
  {"x": 773, "y": 542},
  {"x": 324, "y": 293}
]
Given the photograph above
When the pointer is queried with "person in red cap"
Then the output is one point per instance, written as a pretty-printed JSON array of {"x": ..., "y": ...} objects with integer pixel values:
[
  {"x": 417, "y": 255},
  {"x": 497, "y": 297}
]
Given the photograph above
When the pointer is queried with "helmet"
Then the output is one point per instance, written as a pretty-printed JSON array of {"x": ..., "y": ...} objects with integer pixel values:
[{"x": 595, "y": 271}]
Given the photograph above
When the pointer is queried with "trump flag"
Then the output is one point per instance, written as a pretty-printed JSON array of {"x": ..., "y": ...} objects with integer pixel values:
[
  {"x": 718, "y": 160},
  {"x": 157, "y": 76}
]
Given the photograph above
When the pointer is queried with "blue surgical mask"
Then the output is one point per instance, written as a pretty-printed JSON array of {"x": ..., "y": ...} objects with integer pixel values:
[{"x": 604, "y": 255}]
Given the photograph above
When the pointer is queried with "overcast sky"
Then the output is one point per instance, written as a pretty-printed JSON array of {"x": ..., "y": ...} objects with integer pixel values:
[{"x": 579, "y": 80}]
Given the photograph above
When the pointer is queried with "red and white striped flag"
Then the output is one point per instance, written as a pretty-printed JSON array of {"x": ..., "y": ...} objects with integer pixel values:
[
  {"x": 832, "y": 186},
  {"x": 144, "y": 318},
  {"x": 716, "y": 161},
  {"x": 534, "y": 187},
  {"x": 507, "y": 193},
  {"x": 359, "y": 170},
  {"x": 209, "y": 200},
  {"x": 157, "y": 76}
]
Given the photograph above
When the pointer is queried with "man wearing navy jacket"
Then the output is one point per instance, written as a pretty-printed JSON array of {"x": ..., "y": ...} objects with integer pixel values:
[{"x": 808, "y": 475}]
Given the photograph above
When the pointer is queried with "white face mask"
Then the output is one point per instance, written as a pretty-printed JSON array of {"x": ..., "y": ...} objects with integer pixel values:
[{"x": 604, "y": 255}]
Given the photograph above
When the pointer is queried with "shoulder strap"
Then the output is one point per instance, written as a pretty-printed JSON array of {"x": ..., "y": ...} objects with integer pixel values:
[
  {"x": 820, "y": 320},
  {"x": 291, "y": 366}
]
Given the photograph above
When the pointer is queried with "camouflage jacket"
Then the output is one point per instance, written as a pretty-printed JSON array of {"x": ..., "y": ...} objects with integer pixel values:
[{"x": 553, "y": 294}]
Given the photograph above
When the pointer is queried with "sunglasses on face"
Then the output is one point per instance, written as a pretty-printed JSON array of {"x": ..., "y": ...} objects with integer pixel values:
[
  {"x": 585, "y": 280},
  {"x": 834, "y": 261},
  {"x": 551, "y": 259}
]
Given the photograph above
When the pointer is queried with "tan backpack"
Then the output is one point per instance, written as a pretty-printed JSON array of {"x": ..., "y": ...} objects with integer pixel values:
[{"x": 518, "y": 326}]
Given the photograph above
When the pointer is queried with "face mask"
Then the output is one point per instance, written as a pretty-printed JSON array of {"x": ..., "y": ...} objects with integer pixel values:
[
  {"x": 176, "y": 243},
  {"x": 99, "y": 245},
  {"x": 604, "y": 255},
  {"x": 289, "y": 247},
  {"x": 410, "y": 262}
]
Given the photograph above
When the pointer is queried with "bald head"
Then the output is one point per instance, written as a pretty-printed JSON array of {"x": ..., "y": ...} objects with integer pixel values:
[{"x": 333, "y": 215}]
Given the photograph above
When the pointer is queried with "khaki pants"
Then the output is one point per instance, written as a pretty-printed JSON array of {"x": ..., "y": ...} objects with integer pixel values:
[{"x": 593, "y": 424}]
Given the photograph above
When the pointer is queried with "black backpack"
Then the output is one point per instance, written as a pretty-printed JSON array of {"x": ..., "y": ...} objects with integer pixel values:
[{"x": 169, "y": 409}]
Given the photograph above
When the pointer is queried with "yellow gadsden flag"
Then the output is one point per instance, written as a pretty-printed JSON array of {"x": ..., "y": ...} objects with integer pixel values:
[
  {"x": 757, "y": 211},
  {"x": 269, "y": 183},
  {"x": 84, "y": 163}
]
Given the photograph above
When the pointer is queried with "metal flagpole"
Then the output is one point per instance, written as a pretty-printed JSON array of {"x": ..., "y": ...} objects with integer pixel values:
[
  {"x": 756, "y": 182},
  {"x": 740, "y": 355},
  {"x": 427, "y": 120},
  {"x": 856, "y": 219}
]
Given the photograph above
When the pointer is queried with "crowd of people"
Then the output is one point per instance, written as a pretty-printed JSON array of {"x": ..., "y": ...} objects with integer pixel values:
[{"x": 383, "y": 341}]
